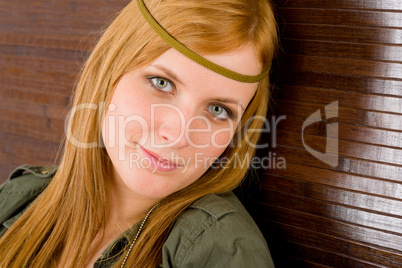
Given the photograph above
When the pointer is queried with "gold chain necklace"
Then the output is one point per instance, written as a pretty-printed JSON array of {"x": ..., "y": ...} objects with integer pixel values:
[{"x": 138, "y": 234}]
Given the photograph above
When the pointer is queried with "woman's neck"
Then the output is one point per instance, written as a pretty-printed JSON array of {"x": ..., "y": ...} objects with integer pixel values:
[{"x": 125, "y": 207}]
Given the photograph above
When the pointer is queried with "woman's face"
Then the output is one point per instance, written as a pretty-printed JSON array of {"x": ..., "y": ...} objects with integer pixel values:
[{"x": 169, "y": 120}]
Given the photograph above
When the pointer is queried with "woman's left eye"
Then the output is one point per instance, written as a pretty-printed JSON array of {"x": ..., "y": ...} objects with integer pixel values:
[
  {"x": 220, "y": 112},
  {"x": 162, "y": 84}
]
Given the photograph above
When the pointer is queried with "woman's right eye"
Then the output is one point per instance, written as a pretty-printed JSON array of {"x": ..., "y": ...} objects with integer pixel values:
[{"x": 162, "y": 84}]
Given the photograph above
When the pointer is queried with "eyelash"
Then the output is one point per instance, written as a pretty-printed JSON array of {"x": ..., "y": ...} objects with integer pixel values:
[
  {"x": 149, "y": 79},
  {"x": 228, "y": 111}
]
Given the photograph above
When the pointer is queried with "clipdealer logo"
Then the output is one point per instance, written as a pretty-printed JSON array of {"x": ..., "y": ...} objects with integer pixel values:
[{"x": 331, "y": 154}]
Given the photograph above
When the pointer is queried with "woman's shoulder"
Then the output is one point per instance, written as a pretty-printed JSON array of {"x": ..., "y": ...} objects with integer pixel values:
[
  {"x": 223, "y": 208},
  {"x": 216, "y": 231},
  {"x": 28, "y": 178},
  {"x": 23, "y": 185}
]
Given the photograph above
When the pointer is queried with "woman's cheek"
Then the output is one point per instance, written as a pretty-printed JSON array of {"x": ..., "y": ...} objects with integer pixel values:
[
  {"x": 136, "y": 126},
  {"x": 221, "y": 138}
]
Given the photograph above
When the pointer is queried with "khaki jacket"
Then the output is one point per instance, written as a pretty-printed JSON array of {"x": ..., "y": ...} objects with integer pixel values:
[{"x": 215, "y": 231}]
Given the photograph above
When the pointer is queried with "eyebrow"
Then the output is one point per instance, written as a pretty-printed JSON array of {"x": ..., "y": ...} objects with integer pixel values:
[
  {"x": 229, "y": 100},
  {"x": 174, "y": 77},
  {"x": 168, "y": 72}
]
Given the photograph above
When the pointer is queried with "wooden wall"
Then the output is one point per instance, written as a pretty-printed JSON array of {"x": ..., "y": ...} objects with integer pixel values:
[
  {"x": 313, "y": 215},
  {"x": 42, "y": 46}
]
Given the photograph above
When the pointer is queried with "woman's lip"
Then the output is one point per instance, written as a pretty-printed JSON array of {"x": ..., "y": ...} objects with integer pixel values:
[{"x": 167, "y": 165}]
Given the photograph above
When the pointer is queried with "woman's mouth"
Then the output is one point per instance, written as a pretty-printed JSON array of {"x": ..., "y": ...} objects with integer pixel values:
[{"x": 158, "y": 162}]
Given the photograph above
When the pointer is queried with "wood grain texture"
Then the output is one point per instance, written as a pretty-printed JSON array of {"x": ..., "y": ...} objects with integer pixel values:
[
  {"x": 386, "y": 5},
  {"x": 348, "y": 215},
  {"x": 42, "y": 47}
]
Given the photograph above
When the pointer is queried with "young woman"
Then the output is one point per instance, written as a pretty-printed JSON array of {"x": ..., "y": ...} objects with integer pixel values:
[{"x": 165, "y": 114}]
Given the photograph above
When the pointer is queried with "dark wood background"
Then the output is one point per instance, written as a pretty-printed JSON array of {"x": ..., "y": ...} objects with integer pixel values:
[
  {"x": 42, "y": 47},
  {"x": 312, "y": 214}
]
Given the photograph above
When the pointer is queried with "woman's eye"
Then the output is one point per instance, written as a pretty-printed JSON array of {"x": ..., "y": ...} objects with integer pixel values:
[
  {"x": 219, "y": 112},
  {"x": 162, "y": 84}
]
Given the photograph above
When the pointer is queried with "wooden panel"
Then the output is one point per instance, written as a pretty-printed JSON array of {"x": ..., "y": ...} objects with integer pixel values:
[
  {"x": 42, "y": 46},
  {"x": 339, "y": 82},
  {"x": 342, "y": 17},
  {"x": 366, "y": 101},
  {"x": 344, "y": 4},
  {"x": 301, "y": 241},
  {"x": 346, "y": 115},
  {"x": 349, "y": 132},
  {"x": 337, "y": 33},
  {"x": 348, "y": 165},
  {"x": 356, "y": 183},
  {"x": 349, "y": 215},
  {"x": 53, "y": 17},
  {"x": 347, "y": 67},
  {"x": 343, "y": 50}
]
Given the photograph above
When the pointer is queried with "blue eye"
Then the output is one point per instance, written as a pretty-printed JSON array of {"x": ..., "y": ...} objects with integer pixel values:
[
  {"x": 162, "y": 84},
  {"x": 219, "y": 112}
]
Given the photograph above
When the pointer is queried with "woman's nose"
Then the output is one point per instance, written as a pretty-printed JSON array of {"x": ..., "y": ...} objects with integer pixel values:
[
  {"x": 172, "y": 133},
  {"x": 182, "y": 127},
  {"x": 170, "y": 126}
]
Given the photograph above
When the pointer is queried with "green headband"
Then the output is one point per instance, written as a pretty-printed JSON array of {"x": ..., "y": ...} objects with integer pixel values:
[{"x": 191, "y": 54}]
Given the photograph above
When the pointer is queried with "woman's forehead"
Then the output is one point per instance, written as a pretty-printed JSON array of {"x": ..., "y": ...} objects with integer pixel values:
[
  {"x": 243, "y": 60},
  {"x": 194, "y": 75}
]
